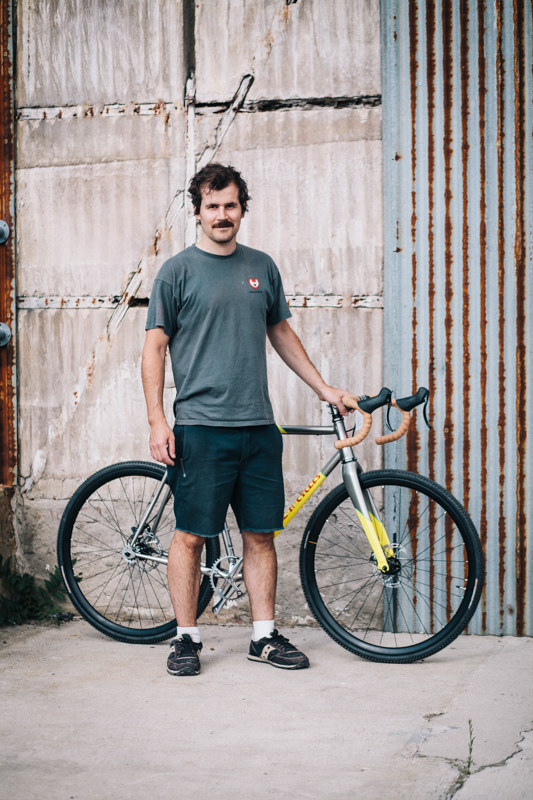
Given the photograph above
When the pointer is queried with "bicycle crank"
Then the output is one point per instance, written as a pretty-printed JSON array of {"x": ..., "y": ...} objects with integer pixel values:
[{"x": 226, "y": 580}]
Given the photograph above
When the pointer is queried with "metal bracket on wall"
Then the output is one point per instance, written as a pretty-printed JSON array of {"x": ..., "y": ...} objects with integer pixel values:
[
  {"x": 5, "y": 334},
  {"x": 4, "y": 231}
]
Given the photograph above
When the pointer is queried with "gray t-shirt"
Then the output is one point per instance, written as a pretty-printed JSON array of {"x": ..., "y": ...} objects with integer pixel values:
[{"x": 215, "y": 311}]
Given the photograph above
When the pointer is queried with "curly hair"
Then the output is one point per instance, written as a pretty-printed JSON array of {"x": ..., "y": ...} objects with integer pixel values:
[{"x": 214, "y": 177}]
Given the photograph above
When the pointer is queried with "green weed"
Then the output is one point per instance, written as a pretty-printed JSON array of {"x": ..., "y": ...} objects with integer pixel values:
[{"x": 22, "y": 599}]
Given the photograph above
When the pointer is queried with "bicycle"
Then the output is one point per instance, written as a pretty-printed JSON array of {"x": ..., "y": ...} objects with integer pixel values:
[{"x": 390, "y": 562}]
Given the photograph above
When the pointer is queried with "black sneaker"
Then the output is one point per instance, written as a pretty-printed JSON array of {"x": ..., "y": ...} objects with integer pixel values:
[
  {"x": 278, "y": 651},
  {"x": 184, "y": 658}
]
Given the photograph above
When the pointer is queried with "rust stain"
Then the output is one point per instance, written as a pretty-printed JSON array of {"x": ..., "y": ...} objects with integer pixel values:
[
  {"x": 90, "y": 368},
  {"x": 520, "y": 258},
  {"x": 136, "y": 109},
  {"x": 500, "y": 106},
  {"x": 412, "y": 434},
  {"x": 59, "y": 114},
  {"x": 483, "y": 378},
  {"x": 465, "y": 111},
  {"x": 430, "y": 72},
  {"x": 155, "y": 243},
  {"x": 448, "y": 77},
  {"x": 62, "y": 302}
]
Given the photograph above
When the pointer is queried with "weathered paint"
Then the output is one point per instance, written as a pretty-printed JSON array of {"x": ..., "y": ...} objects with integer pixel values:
[
  {"x": 458, "y": 155},
  {"x": 8, "y": 438}
]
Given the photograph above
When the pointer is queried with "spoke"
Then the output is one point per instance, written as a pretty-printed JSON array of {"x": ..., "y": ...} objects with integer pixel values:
[
  {"x": 102, "y": 572},
  {"x": 407, "y": 629},
  {"x": 341, "y": 533},
  {"x": 95, "y": 502},
  {"x": 364, "y": 603},
  {"x": 147, "y": 601},
  {"x": 112, "y": 596},
  {"x": 335, "y": 544},
  {"x": 84, "y": 545},
  {"x": 103, "y": 585},
  {"x": 100, "y": 521},
  {"x": 157, "y": 597},
  {"x": 375, "y": 609},
  {"x": 355, "y": 594},
  {"x": 128, "y": 499},
  {"x": 341, "y": 583}
]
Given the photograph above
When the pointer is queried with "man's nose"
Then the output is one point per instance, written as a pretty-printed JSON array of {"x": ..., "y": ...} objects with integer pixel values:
[{"x": 221, "y": 212}]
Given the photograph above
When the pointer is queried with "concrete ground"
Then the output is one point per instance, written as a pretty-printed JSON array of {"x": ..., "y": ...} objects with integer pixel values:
[{"x": 85, "y": 717}]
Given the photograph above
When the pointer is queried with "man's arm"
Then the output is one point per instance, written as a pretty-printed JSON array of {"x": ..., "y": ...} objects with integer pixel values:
[
  {"x": 288, "y": 346},
  {"x": 162, "y": 445}
]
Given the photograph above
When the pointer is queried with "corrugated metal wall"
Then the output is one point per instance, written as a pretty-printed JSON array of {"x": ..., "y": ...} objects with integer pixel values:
[{"x": 458, "y": 161}]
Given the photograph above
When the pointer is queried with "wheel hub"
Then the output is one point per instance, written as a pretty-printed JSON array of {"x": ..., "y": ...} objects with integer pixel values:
[
  {"x": 147, "y": 545},
  {"x": 400, "y": 569}
]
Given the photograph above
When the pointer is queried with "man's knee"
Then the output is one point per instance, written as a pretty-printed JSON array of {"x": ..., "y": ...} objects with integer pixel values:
[
  {"x": 258, "y": 541},
  {"x": 189, "y": 541}
]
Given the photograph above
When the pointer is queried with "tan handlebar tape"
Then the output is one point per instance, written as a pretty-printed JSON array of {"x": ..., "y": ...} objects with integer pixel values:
[
  {"x": 397, "y": 434},
  {"x": 350, "y": 401}
]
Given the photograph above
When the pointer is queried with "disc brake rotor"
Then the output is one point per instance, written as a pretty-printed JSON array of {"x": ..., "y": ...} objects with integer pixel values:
[{"x": 404, "y": 568}]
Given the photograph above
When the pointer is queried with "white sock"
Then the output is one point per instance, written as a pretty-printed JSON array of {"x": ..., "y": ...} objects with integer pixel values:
[
  {"x": 194, "y": 633},
  {"x": 262, "y": 628}
]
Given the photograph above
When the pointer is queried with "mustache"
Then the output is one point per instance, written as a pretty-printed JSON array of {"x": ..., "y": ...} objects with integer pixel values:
[{"x": 224, "y": 224}]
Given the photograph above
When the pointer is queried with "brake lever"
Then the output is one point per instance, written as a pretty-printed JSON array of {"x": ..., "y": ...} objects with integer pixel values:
[
  {"x": 387, "y": 421},
  {"x": 426, "y": 403}
]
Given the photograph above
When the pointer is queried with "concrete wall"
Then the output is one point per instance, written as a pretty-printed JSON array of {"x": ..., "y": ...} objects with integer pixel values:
[{"x": 102, "y": 138}]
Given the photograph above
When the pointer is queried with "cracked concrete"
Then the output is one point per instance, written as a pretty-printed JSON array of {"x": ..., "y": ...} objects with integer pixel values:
[
  {"x": 512, "y": 779},
  {"x": 84, "y": 717}
]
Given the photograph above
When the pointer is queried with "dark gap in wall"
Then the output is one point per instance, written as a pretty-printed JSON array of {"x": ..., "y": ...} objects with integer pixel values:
[
  {"x": 138, "y": 301},
  {"x": 307, "y": 103},
  {"x": 189, "y": 42}
]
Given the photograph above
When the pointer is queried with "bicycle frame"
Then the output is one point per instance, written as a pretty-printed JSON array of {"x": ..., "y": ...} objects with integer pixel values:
[{"x": 362, "y": 501}]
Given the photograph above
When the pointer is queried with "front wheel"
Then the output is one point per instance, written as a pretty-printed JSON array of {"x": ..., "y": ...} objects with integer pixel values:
[
  {"x": 120, "y": 592},
  {"x": 433, "y": 588}
]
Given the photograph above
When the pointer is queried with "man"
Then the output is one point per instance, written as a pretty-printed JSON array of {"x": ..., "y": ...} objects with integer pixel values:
[{"x": 213, "y": 305}]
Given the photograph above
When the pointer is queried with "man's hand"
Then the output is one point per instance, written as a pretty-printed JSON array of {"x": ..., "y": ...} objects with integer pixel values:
[
  {"x": 334, "y": 396},
  {"x": 162, "y": 443}
]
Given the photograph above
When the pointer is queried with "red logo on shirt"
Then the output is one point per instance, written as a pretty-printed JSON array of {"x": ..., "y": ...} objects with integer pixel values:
[{"x": 254, "y": 283}]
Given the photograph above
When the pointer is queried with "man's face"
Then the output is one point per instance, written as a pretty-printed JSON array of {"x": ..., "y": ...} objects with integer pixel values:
[{"x": 220, "y": 214}]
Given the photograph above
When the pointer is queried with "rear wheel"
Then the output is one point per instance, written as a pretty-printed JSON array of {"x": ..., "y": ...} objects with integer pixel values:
[
  {"x": 435, "y": 581},
  {"x": 111, "y": 585}
]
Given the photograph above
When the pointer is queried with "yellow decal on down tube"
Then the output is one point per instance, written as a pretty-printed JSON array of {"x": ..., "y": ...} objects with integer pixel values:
[{"x": 301, "y": 499}]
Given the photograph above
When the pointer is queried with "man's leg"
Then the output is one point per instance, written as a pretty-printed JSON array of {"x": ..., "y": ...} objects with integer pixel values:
[
  {"x": 260, "y": 570},
  {"x": 184, "y": 585},
  {"x": 184, "y": 576}
]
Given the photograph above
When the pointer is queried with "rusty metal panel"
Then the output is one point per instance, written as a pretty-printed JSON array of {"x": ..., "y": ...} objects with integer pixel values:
[
  {"x": 458, "y": 163},
  {"x": 8, "y": 408}
]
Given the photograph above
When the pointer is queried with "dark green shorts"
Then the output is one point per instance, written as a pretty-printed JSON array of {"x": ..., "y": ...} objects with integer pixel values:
[{"x": 218, "y": 467}]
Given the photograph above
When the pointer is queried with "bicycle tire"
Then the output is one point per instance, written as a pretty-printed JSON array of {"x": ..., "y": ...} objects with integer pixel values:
[
  {"x": 408, "y": 616},
  {"x": 127, "y": 600}
]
